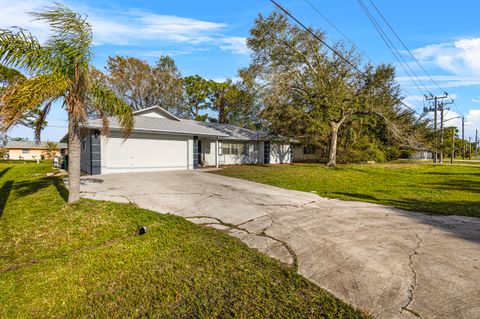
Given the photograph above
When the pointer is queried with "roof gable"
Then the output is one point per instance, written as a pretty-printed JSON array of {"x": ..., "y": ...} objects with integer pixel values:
[{"x": 156, "y": 111}]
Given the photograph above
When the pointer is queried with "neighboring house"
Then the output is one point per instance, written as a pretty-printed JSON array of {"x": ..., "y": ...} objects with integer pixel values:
[
  {"x": 421, "y": 155},
  {"x": 27, "y": 150},
  {"x": 161, "y": 141}
]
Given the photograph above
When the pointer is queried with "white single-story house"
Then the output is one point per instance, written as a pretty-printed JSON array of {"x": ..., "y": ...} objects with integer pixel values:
[{"x": 161, "y": 141}]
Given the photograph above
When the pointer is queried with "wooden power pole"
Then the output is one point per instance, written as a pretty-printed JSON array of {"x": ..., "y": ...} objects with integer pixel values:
[
  {"x": 435, "y": 108},
  {"x": 463, "y": 137},
  {"x": 453, "y": 145},
  {"x": 476, "y": 143}
]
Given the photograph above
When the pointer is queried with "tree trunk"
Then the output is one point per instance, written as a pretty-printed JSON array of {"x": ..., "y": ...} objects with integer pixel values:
[
  {"x": 332, "y": 158},
  {"x": 73, "y": 159},
  {"x": 222, "y": 117}
]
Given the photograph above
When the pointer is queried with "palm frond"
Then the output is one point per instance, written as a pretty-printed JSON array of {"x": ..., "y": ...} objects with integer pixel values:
[
  {"x": 41, "y": 119},
  {"x": 107, "y": 103},
  {"x": 29, "y": 94},
  {"x": 22, "y": 50},
  {"x": 71, "y": 34}
]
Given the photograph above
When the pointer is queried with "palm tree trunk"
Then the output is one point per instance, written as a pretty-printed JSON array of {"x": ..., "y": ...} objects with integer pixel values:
[
  {"x": 332, "y": 157},
  {"x": 73, "y": 159}
]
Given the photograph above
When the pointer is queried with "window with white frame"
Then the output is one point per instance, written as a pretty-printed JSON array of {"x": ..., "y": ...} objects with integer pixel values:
[
  {"x": 234, "y": 148},
  {"x": 25, "y": 151}
]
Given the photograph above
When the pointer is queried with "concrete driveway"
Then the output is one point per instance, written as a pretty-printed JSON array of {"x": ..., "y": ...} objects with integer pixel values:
[{"x": 392, "y": 263}]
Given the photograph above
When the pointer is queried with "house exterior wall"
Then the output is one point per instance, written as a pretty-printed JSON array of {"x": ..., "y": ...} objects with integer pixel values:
[
  {"x": 250, "y": 158},
  {"x": 145, "y": 152},
  {"x": 85, "y": 153},
  {"x": 280, "y": 153},
  {"x": 208, "y": 152},
  {"x": 33, "y": 154},
  {"x": 299, "y": 156},
  {"x": 90, "y": 156}
]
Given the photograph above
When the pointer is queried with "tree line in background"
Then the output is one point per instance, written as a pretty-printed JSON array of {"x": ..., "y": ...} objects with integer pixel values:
[
  {"x": 294, "y": 86},
  {"x": 142, "y": 85},
  {"x": 347, "y": 110}
]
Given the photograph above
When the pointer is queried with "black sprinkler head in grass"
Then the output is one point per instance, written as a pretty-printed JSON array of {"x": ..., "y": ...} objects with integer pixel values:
[{"x": 142, "y": 230}]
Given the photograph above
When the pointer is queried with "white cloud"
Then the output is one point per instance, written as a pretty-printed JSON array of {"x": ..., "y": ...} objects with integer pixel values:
[
  {"x": 476, "y": 99},
  {"x": 472, "y": 121},
  {"x": 17, "y": 14},
  {"x": 131, "y": 27},
  {"x": 445, "y": 81},
  {"x": 235, "y": 44},
  {"x": 459, "y": 57}
]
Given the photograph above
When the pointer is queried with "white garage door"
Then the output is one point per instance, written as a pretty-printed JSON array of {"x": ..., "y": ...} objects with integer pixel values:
[{"x": 144, "y": 152}]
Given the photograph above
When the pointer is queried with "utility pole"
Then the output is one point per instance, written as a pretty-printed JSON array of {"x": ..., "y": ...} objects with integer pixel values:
[
  {"x": 441, "y": 132},
  {"x": 469, "y": 147},
  {"x": 435, "y": 100},
  {"x": 453, "y": 145},
  {"x": 463, "y": 137},
  {"x": 476, "y": 143}
]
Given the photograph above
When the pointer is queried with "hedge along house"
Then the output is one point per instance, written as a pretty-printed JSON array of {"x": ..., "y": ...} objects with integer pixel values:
[{"x": 161, "y": 141}]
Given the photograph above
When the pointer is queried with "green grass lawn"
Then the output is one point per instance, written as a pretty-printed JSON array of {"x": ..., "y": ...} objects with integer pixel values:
[
  {"x": 435, "y": 189},
  {"x": 86, "y": 260}
]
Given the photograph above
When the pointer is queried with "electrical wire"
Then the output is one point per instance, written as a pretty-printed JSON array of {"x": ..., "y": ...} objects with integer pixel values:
[
  {"x": 330, "y": 48},
  {"x": 404, "y": 46},
  {"x": 394, "y": 50},
  {"x": 323, "y": 16}
]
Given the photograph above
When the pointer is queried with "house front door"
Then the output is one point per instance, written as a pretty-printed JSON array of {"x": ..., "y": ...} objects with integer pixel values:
[
  {"x": 196, "y": 153},
  {"x": 199, "y": 155},
  {"x": 266, "y": 152}
]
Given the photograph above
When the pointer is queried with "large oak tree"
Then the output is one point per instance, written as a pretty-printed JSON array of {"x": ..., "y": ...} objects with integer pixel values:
[{"x": 308, "y": 91}]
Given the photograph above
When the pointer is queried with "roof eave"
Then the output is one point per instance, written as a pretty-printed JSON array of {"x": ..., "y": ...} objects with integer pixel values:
[{"x": 159, "y": 131}]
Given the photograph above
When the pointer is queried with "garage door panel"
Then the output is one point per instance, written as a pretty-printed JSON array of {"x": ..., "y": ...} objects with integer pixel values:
[{"x": 138, "y": 152}]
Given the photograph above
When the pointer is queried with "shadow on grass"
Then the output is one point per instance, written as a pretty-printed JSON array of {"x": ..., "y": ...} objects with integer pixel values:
[
  {"x": 451, "y": 174},
  {"x": 30, "y": 187},
  {"x": 4, "y": 194},
  {"x": 461, "y": 185},
  {"x": 61, "y": 189},
  {"x": 4, "y": 171},
  {"x": 359, "y": 196}
]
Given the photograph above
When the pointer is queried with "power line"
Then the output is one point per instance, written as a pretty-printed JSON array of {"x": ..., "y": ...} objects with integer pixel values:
[
  {"x": 330, "y": 48},
  {"x": 318, "y": 38},
  {"x": 322, "y": 15},
  {"x": 393, "y": 49},
  {"x": 404, "y": 46},
  {"x": 335, "y": 27}
]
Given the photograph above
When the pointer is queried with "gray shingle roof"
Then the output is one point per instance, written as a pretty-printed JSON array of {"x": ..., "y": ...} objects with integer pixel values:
[
  {"x": 154, "y": 124},
  {"x": 233, "y": 132},
  {"x": 172, "y": 124},
  {"x": 32, "y": 145}
]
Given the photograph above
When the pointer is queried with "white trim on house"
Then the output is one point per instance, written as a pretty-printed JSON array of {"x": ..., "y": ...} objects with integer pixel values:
[{"x": 156, "y": 111}]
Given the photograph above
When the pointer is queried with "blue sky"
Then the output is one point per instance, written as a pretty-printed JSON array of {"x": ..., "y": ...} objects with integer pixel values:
[{"x": 208, "y": 38}]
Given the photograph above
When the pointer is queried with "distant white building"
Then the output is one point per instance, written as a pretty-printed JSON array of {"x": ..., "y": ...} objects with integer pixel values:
[{"x": 421, "y": 155}]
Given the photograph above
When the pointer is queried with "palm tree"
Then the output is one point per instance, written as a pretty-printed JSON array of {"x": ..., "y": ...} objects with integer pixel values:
[{"x": 58, "y": 70}]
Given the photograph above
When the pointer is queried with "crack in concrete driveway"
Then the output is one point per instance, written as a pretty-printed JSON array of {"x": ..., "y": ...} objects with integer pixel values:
[{"x": 366, "y": 254}]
